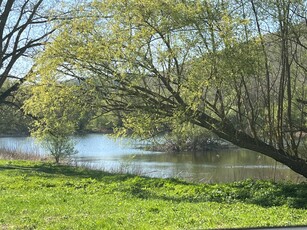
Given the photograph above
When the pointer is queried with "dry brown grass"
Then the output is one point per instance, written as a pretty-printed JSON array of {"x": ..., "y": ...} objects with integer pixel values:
[{"x": 15, "y": 154}]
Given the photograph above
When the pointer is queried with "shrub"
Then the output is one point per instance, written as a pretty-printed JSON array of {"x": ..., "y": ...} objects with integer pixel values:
[{"x": 60, "y": 147}]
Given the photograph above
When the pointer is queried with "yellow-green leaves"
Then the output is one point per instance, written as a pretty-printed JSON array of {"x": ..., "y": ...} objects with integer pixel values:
[
  {"x": 57, "y": 107},
  {"x": 141, "y": 55}
]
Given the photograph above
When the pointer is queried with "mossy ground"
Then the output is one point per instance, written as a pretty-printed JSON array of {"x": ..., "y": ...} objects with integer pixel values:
[{"x": 36, "y": 195}]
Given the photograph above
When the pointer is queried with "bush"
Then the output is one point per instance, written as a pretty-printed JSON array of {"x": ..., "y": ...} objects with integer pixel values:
[
  {"x": 60, "y": 147},
  {"x": 188, "y": 138}
]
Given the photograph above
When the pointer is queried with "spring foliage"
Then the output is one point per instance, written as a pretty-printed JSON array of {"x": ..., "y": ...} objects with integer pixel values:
[
  {"x": 58, "y": 110},
  {"x": 212, "y": 64}
]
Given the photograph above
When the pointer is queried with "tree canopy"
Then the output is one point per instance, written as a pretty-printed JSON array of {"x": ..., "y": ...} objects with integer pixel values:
[{"x": 237, "y": 68}]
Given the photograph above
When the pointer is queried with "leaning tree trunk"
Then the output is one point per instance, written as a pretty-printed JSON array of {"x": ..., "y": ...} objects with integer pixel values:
[{"x": 226, "y": 131}]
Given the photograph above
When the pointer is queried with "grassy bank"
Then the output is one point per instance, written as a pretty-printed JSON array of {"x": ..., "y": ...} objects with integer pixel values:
[{"x": 36, "y": 195}]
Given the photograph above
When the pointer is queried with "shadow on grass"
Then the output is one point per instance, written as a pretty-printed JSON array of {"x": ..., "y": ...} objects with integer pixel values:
[
  {"x": 52, "y": 170},
  {"x": 262, "y": 193}
]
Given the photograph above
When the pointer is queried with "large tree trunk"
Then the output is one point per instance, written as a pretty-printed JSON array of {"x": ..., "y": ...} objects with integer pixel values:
[
  {"x": 297, "y": 164},
  {"x": 227, "y": 132}
]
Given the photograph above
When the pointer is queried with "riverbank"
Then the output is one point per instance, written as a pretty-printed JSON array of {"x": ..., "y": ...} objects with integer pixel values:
[
  {"x": 109, "y": 154},
  {"x": 38, "y": 195},
  {"x": 15, "y": 154}
]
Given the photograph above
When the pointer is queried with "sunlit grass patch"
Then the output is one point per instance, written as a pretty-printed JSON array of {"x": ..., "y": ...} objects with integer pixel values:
[{"x": 38, "y": 195}]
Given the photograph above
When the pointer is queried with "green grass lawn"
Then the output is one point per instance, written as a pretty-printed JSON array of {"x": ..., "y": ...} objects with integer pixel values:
[{"x": 36, "y": 195}]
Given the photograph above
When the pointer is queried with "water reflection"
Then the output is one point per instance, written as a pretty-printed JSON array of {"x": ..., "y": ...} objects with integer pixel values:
[
  {"x": 103, "y": 152},
  {"x": 219, "y": 166}
]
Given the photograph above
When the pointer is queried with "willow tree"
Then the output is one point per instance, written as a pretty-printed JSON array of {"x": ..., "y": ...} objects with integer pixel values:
[
  {"x": 236, "y": 68},
  {"x": 58, "y": 108}
]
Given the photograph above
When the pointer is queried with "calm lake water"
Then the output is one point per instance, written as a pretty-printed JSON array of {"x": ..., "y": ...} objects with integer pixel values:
[{"x": 104, "y": 152}]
